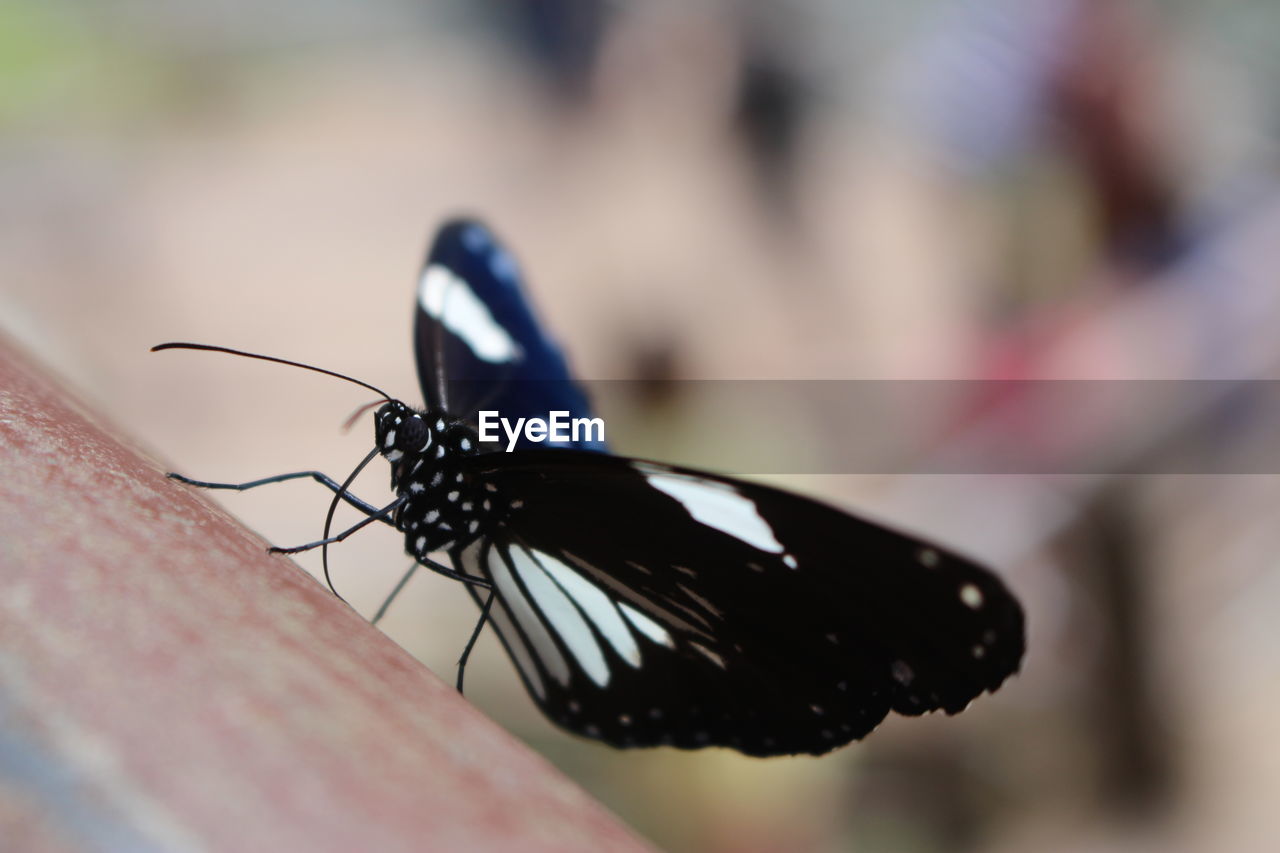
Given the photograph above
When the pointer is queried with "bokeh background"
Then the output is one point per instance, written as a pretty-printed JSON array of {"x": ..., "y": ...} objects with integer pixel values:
[{"x": 996, "y": 189}]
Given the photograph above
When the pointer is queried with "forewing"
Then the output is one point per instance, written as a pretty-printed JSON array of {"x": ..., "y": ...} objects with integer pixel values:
[
  {"x": 646, "y": 604},
  {"x": 475, "y": 333}
]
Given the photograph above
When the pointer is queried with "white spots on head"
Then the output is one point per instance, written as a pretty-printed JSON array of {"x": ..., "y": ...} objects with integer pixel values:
[
  {"x": 971, "y": 596},
  {"x": 390, "y": 440},
  {"x": 714, "y": 504},
  {"x": 420, "y": 543},
  {"x": 647, "y": 626},
  {"x": 395, "y": 456},
  {"x": 901, "y": 672},
  {"x": 447, "y": 298},
  {"x": 928, "y": 557},
  {"x": 709, "y": 655}
]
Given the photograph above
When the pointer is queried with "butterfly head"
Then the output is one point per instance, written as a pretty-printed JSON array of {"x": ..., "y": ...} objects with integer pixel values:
[{"x": 405, "y": 435}]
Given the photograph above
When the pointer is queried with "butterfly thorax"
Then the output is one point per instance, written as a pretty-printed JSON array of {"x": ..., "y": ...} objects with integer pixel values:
[{"x": 443, "y": 507}]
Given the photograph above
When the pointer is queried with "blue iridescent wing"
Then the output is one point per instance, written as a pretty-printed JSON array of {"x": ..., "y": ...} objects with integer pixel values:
[{"x": 478, "y": 343}]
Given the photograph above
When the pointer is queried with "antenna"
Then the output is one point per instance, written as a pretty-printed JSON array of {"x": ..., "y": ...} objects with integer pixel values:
[{"x": 229, "y": 351}]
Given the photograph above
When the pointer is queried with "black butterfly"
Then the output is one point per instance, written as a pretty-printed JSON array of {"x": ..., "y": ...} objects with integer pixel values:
[{"x": 647, "y": 604}]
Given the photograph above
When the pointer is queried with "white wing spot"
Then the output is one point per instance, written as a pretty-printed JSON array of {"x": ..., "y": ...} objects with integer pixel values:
[
  {"x": 979, "y": 652},
  {"x": 715, "y": 504},
  {"x": 625, "y": 719},
  {"x": 561, "y": 613},
  {"x": 544, "y": 646},
  {"x": 453, "y": 497},
  {"x": 902, "y": 673},
  {"x": 432, "y": 516},
  {"x": 709, "y": 655},
  {"x": 595, "y": 604},
  {"x": 928, "y": 558},
  {"x": 971, "y": 596},
  {"x": 647, "y": 626},
  {"x": 447, "y": 298},
  {"x": 817, "y": 709},
  {"x": 416, "y": 487}
]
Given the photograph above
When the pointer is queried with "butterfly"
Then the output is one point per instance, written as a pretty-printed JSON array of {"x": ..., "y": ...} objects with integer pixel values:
[{"x": 648, "y": 604}]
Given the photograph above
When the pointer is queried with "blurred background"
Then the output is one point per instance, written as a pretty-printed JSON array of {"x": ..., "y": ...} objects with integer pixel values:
[{"x": 994, "y": 190}]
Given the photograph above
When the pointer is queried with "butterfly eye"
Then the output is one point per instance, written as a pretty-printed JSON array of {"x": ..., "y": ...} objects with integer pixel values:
[{"x": 413, "y": 435}]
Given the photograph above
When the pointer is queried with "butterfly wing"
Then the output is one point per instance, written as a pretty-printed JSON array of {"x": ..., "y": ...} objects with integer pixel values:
[
  {"x": 646, "y": 604},
  {"x": 476, "y": 336}
]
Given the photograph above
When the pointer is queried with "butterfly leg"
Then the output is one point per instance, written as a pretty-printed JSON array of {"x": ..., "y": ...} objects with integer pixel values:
[
  {"x": 319, "y": 476},
  {"x": 435, "y": 567},
  {"x": 386, "y": 602},
  {"x": 376, "y": 515},
  {"x": 475, "y": 635}
]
